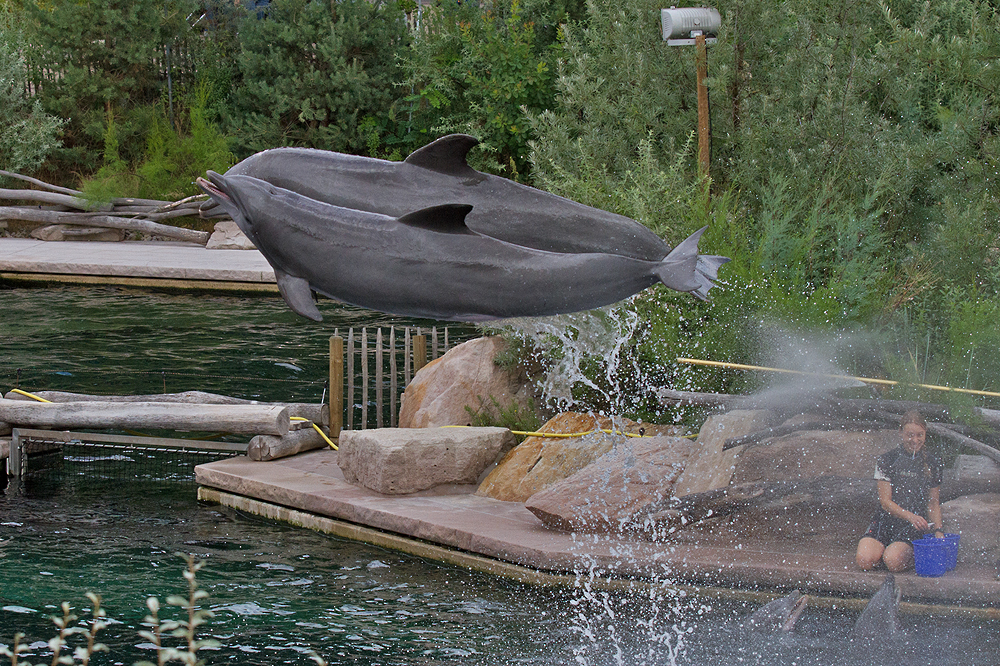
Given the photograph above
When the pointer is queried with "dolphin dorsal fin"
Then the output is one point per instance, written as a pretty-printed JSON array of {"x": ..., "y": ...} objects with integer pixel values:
[
  {"x": 446, "y": 219},
  {"x": 446, "y": 154}
]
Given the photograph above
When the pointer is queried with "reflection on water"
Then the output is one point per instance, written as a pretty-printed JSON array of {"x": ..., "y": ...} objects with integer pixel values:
[
  {"x": 115, "y": 341},
  {"x": 278, "y": 591}
]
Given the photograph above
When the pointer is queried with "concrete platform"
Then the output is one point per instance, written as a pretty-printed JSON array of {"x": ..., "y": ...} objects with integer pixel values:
[
  {"x": 505, "y": 532},
  {"x": 135, "y": 263}
]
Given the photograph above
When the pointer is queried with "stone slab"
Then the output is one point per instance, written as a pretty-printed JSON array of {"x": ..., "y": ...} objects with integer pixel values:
[
  {"x": 456, "y": 518},
  {"x": 399, "y": 461}
]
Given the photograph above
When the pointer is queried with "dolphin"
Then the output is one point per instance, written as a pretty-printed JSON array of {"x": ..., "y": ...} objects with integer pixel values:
[
  {"x": 778, "y": 615},
  {"x": 880, "y": 618},
  {"x": 439, "y": 174},
  {"x": 429, "y": 263}
]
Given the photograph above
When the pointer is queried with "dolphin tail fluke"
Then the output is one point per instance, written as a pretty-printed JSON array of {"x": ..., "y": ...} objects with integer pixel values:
[
  {"x": 686, "y": 270},
  {"x": 298, "y": 295}
]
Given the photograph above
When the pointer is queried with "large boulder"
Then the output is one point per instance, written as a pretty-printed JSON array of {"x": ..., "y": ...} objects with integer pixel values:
[
  {"x": 465, "y": 377},
  {"x": 974, "y": 517},
  {"x": 609, "y": 494},
  {"x": 538, "y": 462},
  {"x": 398, "y": 461},
  {"x": 711, "y": 467}
]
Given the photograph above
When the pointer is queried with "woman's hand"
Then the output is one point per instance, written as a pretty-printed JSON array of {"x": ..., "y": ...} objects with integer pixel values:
[{"x": 919, "y": 522}]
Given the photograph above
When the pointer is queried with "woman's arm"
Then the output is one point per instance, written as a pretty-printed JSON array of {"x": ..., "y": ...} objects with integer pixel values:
[
  {"x": 885, "y": 499},
  {"x": 934, "y": 510}
]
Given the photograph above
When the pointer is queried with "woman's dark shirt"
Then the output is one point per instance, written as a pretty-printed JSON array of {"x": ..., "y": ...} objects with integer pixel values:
[{"x": 911, "y": 476}]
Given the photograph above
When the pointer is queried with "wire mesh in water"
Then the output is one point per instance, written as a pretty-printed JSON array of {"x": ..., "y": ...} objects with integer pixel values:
[{"x": 130, "y": 458}]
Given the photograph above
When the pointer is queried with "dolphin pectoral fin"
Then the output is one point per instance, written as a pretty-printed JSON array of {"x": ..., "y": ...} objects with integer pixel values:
[
  {"x": 298, "y": 295},
  {"x": 686, "y": 270},
  {"x": 446, "y": 154},
  {"x": 447, "y": 219}
]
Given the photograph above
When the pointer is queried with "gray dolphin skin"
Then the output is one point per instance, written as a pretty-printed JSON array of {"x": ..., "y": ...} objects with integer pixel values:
[
  {"x": 879, "y": 621},
  {"x": 779, "y": 615},
  {"x": 438, "y": 174},
  {"x": 429, "y": 263}
]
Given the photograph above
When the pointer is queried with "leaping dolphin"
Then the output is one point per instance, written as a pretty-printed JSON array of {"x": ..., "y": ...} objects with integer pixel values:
[
  {"x": 439, "y": 174},
  {"x": 429, "y": 263}
]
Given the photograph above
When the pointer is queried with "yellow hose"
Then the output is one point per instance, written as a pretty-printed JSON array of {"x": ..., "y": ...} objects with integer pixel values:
[
  {"x": 29, "y": 395},
  {"x": 317, "y": 429}
]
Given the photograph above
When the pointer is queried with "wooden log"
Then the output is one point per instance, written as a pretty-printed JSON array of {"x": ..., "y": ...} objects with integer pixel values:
[
  {"x": 42, "y": 183},
  {"x": 52, "y": 198},
  {"x": 270, "y": 447},
  {"x": 104, "y": 221},
  {"x": 316, "y": 413},
  {"x": 237, "y": 419},
  {"x": 949, "y": 434}
]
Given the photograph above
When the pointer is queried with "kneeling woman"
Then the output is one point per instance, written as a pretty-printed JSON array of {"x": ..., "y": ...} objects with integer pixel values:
[{"x": 909, "y": 484}]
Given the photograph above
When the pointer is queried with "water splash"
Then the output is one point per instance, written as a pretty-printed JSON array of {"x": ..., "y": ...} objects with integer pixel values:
[{"x": 588, "y": 349}]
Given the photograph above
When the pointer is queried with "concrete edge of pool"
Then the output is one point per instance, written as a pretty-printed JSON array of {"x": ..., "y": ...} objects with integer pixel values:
[{"x": 456, "y": 527}]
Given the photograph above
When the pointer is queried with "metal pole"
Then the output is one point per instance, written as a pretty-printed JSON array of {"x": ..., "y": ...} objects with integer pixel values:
[{"x": 393, "y": 379}]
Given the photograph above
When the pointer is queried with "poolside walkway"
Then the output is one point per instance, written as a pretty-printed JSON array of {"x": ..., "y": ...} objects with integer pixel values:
[
  {"x": 506, "y": 532},
  {"x": 135, "y": 263}
]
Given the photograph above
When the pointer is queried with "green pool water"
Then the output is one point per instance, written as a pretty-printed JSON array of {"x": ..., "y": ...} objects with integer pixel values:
[{"x": 279, "y": 592}]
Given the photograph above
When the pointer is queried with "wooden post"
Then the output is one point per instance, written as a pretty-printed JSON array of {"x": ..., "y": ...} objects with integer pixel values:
[
  {"x": 364, "y": 378},
  {"x": 393, "y": 384},
  {"x": 704, "y": 131},
  {"x": 336, "y": 386},
  {"x": 407, "y": 346},
  {"x": 379, "y": 379},
  {"x": 350, "y": 379},
  {"x": 434, "y": 342},
  {"x": 419, "y": 351}
]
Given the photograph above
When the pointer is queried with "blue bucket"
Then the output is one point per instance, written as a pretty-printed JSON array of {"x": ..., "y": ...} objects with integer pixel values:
[{"x": 931, "y": 556}]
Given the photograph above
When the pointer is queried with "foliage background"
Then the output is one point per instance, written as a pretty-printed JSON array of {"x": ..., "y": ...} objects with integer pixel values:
[{"x": 854, "y": 144}]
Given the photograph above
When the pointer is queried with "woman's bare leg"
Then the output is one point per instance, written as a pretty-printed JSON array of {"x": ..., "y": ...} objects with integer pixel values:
[
  {"x": 869, "y": 553},
  {"x": 898, "y": 556}
]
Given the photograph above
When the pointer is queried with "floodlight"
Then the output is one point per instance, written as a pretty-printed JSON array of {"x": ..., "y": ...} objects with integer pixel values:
[{"x": 682, "y": 26}]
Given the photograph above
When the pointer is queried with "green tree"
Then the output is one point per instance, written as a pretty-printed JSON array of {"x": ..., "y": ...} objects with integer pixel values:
[
  {"x": 311, "y": 73},
  {"x": 97, "y": 58},
  {"x": 476, "y": 68},
  {"x": 27, "y": 133}
]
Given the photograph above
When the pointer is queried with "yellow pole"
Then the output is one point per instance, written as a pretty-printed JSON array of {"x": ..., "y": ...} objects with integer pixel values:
[{"x": 867, "y": 380}]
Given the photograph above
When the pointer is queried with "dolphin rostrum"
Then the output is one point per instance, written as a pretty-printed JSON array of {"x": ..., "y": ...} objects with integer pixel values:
[
  {"x": 880, "y": 618},
  {"x": 778, "y": 615},
  {"x": 438, "y": 174},
  {"x": 429, "y": 263}
]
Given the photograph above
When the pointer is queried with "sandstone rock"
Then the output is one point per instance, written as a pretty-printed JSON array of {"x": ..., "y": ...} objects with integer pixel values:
[
  {"x": 4, "y": 449},
  {"x": 538, "y": 462},
  {"x": 974, "y": 517},
  {"x": 465, "y": 376},
  {"x": 69, "y": 232},
  {"x": 227, "y": 236},
  {"x": 609, "y": 494},
  {"x": 710, "y": 467},
  {"x": 397, "y": 461}
]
